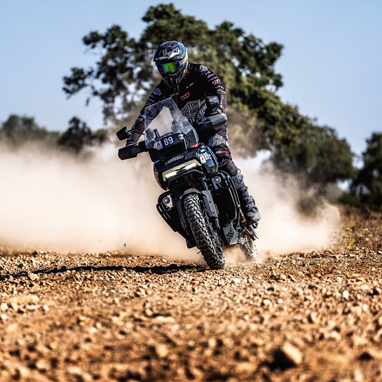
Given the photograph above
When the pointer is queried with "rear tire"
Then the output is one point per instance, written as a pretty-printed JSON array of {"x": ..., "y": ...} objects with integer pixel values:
[
  {"x": 205, "y": 236},
  {"x": 248, "y": 246}
]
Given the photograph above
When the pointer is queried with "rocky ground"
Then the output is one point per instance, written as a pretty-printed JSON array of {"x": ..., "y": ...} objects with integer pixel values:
[{"x": 116, "y": 317}]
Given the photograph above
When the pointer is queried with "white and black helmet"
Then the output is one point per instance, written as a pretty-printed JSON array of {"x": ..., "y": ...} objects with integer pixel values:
[{"x": 171, "y": 59}]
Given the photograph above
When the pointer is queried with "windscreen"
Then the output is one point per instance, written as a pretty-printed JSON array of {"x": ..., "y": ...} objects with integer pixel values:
[{"x": 163, "y": 118}]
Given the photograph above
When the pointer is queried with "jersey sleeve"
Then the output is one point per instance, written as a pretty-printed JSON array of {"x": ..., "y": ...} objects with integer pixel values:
[
  {"x": 214, "y": 85},
  {"x": 139, "y": 126}
]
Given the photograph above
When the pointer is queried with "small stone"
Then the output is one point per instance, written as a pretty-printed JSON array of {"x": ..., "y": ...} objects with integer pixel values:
[
  {"x": 3, "y": 317},
  {"x": 313, "y": 319},
  {"x": 345, "y": 295},
  {"x": 4, "y": 307},
  {"x": 162, "y": 319},
  {"x": 14, "y": 306},
  {"x": 79, "y": 374},
  {"x": 42, "y": 365},
  {"x": 287, "y": 356},
  {"x": 267, "y": 302},
  {"x": 161, "y": 350},
  {"x": 334, "y": 336},
  {"x": 282, "y": 277},
  {"x": 359, "y": 341},
  {"x": 236, "y": 281},
  {"x": 148, "y": 313},
  {"x": 245, "y": 368},
  {"x": 33, "y": 276}
]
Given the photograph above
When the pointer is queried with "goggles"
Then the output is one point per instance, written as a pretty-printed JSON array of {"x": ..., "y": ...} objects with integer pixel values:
[{"x": 170, "y": 67}]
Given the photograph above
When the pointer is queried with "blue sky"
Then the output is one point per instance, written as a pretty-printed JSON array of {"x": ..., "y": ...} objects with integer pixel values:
[{"x": 331, "y": 63}]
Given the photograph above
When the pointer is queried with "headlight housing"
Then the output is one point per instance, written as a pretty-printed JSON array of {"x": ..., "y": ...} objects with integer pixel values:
[{"x": 170, "y": 173}]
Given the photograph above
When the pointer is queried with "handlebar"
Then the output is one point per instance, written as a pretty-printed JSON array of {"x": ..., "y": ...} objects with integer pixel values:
[
  {"x": 202, "y": 125},
  {"x": 132, "y": 151}
]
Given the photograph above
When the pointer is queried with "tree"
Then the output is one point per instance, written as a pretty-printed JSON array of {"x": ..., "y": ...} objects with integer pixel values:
[
  {"x": 17, "y": 130},
  {"x": 124, "y": 75},
  {"x": 367, "y": 186},
  {"x": 316, "y": 155},
  {"x": 243, "y": 62},
  {"x": 79, "y": 135}
]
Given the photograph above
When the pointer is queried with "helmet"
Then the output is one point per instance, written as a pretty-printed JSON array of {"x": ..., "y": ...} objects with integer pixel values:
[{"x": 171, "y": 59}]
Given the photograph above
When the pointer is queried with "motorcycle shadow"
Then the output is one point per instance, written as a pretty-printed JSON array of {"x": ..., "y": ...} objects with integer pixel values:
[{"x": 160, "y": 270}]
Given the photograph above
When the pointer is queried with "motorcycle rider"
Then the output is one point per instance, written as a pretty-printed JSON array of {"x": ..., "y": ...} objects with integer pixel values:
[{"x": 189, "y": 84}]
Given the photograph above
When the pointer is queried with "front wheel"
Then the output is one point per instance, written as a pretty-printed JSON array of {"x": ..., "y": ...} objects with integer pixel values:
[{"x": 205, "y": 236}]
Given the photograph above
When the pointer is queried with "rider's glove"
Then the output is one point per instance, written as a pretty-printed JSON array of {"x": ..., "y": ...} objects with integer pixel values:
[{"x": 216, "y": 110}]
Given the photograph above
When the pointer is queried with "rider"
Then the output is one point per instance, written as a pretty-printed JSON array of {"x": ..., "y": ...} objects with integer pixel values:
[{"x": 188, "y": 85}]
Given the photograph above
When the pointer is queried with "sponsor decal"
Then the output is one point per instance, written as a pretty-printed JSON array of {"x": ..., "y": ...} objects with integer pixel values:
[
  {"x": 158, "y": 145},
  {"x": 174, "y": 53},
  {"x": 203, "y": 68},
  {"x": 204, "y": 157},
  {"x": 174, "y": 159},
  {"x": 190, "y": 109},
  {"x": 185, "y": 96},
  {"x": 216, "y": 82},
  {"x": 192, "y": 83},
  {"x": 157, "y": 92}
]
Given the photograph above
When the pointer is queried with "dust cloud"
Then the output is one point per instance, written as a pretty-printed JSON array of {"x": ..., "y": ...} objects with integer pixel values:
[
  {"x": 52, "y": 201},
  {"x": 283, "y": 229}
]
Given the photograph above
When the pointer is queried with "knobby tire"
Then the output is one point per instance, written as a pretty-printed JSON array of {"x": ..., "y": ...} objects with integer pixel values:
[
  {"x": 208, "y": 244},
  {"x": 249, "y": 249}
]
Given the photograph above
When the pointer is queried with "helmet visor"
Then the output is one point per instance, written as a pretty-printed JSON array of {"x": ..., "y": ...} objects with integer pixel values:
[{"x": 169, "y": 67}]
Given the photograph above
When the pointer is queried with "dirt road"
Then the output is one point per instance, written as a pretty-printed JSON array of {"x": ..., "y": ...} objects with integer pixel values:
[{"x": 116, "y": 317}]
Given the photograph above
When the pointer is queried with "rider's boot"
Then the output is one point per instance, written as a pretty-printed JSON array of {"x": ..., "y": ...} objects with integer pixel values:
[{"x": 248, "y": 205}]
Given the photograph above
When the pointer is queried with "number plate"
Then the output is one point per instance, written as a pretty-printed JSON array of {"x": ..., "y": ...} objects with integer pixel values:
[{"x": 167, "y": 141}]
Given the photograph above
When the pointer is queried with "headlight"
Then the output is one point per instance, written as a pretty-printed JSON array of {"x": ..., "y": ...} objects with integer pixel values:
[{"x": 177, "y": 169}]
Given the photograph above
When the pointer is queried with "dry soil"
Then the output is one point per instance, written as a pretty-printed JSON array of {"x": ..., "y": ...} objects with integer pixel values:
[{"x": 118, "y": 317}]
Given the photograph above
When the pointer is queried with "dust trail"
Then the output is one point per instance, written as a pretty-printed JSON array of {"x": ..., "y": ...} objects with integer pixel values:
[
  {"x": 52, "y": 201},
  {"x": 282, "y": 228}
]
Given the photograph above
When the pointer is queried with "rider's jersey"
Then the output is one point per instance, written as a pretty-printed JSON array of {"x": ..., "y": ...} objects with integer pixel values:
[{"x": 190, "y": 95}]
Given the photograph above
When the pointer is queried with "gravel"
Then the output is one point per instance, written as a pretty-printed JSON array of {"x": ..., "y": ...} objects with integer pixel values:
[{"x": 119, "y": 317}]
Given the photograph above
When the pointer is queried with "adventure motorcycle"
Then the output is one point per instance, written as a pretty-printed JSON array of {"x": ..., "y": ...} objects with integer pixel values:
[{"x": 201, "y": 202}]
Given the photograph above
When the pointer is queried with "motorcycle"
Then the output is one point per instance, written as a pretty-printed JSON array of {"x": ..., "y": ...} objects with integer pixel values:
[{"x": 200, "y": 201}]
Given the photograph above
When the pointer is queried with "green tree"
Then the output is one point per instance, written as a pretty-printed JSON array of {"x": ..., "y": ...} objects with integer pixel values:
[
  {"x": 124, "y": 75},
  {"x": 244, "y": 63},
  {"x": 316, "y": 155},
  {"x": 367, "y": 186},
  {"x": 79, "y": 135},
  {"x": 17, "y": 130}
]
